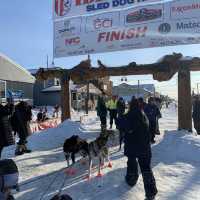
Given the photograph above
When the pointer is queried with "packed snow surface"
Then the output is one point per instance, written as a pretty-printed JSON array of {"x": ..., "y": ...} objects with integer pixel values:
[{"x": 175, "y": 163}]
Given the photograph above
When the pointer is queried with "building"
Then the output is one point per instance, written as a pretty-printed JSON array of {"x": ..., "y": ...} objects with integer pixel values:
[
  {"x": 127, "y": 91},
  {"x": 15, "y": 81}
]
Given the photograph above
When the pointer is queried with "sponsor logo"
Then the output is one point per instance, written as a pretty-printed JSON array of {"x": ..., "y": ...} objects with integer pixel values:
[
  {"x": 128, "y": 46},
  {"x": 122, "y": 34},
  {"x": 185, "y": 8},
  {"x": 143, "y": 14},
  {"x": 170, "y": 42},
  {"x": 72, "y": 41},
  {"x": 80, "y": 52},
  {"x": 68, "y": 28},
  {"x": 112, "y": 46},
  {"x": 82, "y": 47},
  {"x": 193, "y": 39},
  {"x": 62, "y": 7},
  {"x": 189, "y": 25},
  {"x": 102, "y": 23},
  {"x": 164, "y": 28}
]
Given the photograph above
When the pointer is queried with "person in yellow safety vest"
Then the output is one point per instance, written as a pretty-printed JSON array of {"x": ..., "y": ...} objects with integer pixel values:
[{"x": 112, "y": 107}]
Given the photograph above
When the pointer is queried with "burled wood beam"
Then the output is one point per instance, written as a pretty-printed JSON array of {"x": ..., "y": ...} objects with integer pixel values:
[
  {"x": 44, "y": 73},
  {"x": 161, "y": 71}
]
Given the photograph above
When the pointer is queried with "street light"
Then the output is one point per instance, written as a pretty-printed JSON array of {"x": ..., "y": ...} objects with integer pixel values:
[{"x": 198, "y": 88}]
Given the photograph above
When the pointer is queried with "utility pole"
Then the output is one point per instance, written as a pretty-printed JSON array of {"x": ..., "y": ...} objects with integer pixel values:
[
  {"x": 198, "y": 88},
  {"x": 47, "y": 61},
  {"x": 138, "y": 89}
]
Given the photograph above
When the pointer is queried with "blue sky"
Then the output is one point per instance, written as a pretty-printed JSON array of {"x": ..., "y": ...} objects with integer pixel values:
[{"x": 26, "y": 36}]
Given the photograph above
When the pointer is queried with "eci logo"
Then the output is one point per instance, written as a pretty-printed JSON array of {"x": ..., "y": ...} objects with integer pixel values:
[
  {"x": 164, "y": 28},
  {"x": 62, "y": 7},
  {"x": 102, "y": 23}
]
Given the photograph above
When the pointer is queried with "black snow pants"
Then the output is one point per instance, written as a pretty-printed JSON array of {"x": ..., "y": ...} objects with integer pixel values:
[
  {"x": 147, "y": 174},
  {"x": 113, "y": 115},
  {"x": 103, "y": 120},
  {"x": 152, "y": 129}
]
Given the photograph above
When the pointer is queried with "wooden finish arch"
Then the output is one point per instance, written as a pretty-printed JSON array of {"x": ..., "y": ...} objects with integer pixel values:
[{"x": 163, "y": 70}]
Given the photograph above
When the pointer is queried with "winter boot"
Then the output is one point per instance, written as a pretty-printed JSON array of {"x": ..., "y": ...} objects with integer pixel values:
[
  {"x": 19, "y": 150},
  {"x": 26, "y": 150},
  {"x": 131, "y": 180},
  {"x": 150, "y": 198},
  {"x": 153, "y": 141},
  {"x": 149, "y": 185},
  {"x": 10, "y": 197},
  {"x": 103, "y": 128}
]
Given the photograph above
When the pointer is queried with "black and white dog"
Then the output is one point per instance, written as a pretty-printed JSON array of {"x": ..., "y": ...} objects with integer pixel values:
[
  {"x": 99, "y": 148},
  {"x": 74, "y": 145}
]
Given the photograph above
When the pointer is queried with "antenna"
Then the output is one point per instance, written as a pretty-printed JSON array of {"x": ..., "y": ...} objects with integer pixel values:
[{"x": 47, "y": 61}]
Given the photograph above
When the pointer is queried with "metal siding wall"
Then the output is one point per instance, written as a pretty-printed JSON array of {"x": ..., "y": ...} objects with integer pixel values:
[
  {"x": 44, "y": 98},
  {"x": 49, "y": 99},
  {"x": 38, "y": 86},
  {"x": 27, "y": 88}
]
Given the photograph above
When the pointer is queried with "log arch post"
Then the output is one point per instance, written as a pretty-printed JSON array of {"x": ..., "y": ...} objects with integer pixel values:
[
  {"x": 184, "y": 99},
  {"x": 65, "y": 97}
]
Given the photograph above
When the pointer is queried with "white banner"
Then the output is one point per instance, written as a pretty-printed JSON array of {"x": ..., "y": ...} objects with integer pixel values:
[
  {"x": 153, "y": 25},
  {"x": 72, "y": 8}
]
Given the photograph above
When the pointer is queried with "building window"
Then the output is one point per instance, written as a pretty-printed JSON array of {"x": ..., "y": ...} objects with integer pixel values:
[
  {"x": 73, "y": 96},
  {"x": 2, "y": 89}
]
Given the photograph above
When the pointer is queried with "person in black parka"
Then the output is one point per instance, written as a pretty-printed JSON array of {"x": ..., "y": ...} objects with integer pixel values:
[
  {"x": 138, "y": 149},
  {"x": 21, "y": 124},
  {"x": 153, "y": 114},
  {"x": 196, "y": 115},
  {"x": 102, "y": 112},
  {"x": 120, "y": 112},
  {"x": 6, "y": 136}
]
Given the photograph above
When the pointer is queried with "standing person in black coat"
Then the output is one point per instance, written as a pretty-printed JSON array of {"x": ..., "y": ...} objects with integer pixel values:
[
  {"x": 153, "y": 114},
  {"x": 138, "y": 149},
  {"x": 21, "y": 124},
  {"x": 6, "y": 136},
  {"x": 196, "y": 115},
  {"x": 120, "y": 112},
  {"x": 102, "y": 111},
  {"x": 142, "y": 104}
]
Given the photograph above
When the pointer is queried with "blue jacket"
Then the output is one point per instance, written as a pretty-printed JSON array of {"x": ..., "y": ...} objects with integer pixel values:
[{"x": 152, "y": 112}]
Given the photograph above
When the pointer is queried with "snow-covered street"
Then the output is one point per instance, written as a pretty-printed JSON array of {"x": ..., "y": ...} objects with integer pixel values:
[{"x": 175, "y": 162}]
